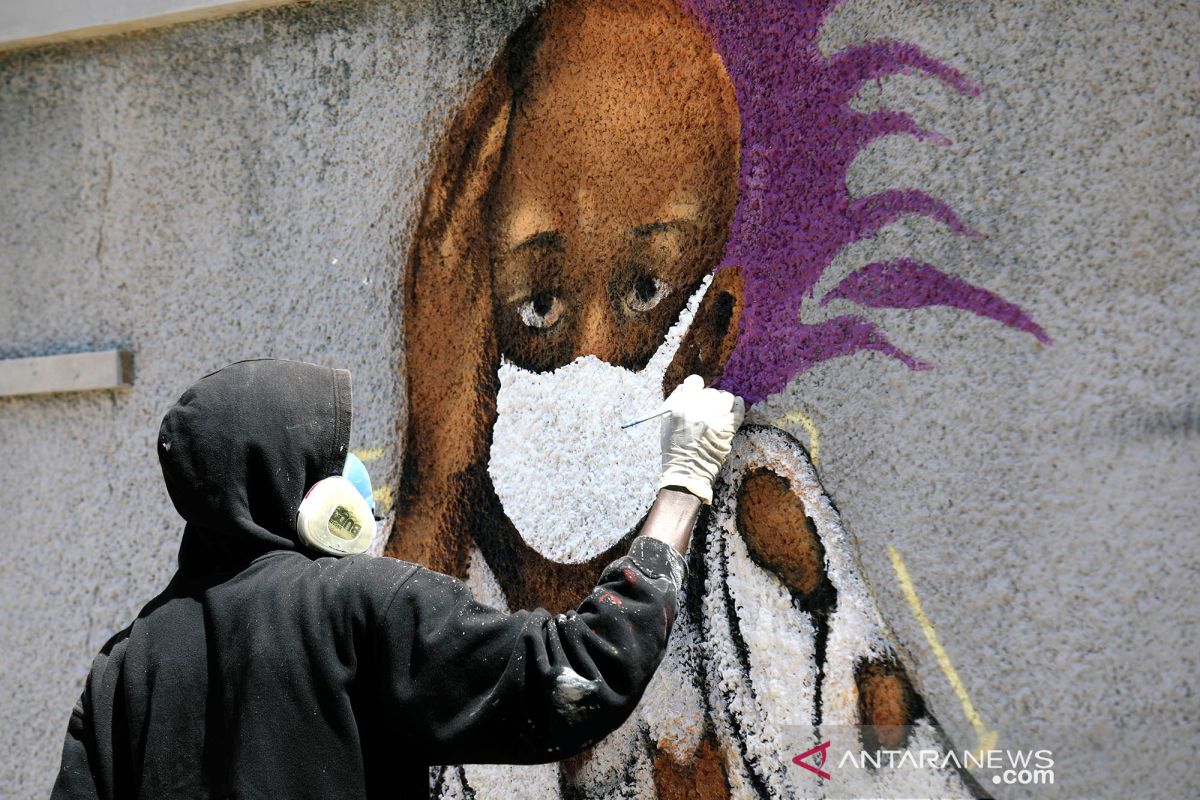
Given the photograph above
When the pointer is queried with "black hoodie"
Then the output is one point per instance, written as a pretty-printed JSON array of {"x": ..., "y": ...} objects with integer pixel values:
[{"x": 267, "y": 672}]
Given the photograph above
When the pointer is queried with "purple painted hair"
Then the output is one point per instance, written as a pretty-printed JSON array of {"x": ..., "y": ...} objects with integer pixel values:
[{"x": 794, "y": 213}]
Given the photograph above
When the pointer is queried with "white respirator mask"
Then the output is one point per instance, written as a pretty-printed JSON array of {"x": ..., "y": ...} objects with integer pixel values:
[
  {"x": 336, "y": 516},
  {"x": 570, "y": 479}
]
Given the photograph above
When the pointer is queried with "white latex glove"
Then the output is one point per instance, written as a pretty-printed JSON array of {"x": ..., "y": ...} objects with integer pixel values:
[{"x": 697, "y": 435}]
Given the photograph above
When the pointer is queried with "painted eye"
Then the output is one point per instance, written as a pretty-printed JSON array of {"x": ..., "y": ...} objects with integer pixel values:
[
  {"x": 647, "y": 292},
  {"x": 542, "y": 310}
]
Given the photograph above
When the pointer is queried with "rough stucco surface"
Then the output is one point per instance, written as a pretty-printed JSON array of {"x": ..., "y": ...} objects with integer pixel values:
[
  {"x": 229, "y": 189},
  {"x": 1042, "y": 498},
  {"x": 198, "y": 194}
]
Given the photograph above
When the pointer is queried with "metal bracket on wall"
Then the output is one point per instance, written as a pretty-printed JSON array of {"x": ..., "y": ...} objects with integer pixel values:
[{"x": 71, "y": 372}]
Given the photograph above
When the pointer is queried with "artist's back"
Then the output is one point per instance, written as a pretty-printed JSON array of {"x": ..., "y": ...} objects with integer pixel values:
[
  {"x": 267, "y": 671},
  {"x": 236, "y": 685},
  {"x": 300, "y": 677}
]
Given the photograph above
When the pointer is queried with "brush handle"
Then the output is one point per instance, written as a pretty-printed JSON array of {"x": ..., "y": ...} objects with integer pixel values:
[{"x": 655, "y": 415}]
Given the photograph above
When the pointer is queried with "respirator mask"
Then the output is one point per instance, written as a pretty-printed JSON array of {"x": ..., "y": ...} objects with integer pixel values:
[
  {"x": 337, "y": 515},
  {"x": 571, "y": 481}
]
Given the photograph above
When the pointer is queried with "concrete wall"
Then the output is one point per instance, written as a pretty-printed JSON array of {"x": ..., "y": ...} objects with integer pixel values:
[
  {"x": 199, "y": 195},
  {"x": 237, "y": 188},
  {"x": 31, "y": 24}
]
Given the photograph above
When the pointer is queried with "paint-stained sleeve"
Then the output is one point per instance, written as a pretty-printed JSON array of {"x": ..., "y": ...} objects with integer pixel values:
[{"x": 466, "y": 683}]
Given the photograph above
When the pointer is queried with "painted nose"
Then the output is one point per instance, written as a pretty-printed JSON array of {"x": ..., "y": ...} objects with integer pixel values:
[{"x": 598, "y": 335}]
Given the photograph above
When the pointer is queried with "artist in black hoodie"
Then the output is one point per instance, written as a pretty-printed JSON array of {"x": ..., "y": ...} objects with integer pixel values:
[{"x": 265, "y": 671}]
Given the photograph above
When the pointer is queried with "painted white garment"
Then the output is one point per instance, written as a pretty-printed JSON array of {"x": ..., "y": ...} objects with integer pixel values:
[
  {"x": 762, "y": 698},
  {"x": 753, "y": 650},
  {"x": 565, "y": 425}
]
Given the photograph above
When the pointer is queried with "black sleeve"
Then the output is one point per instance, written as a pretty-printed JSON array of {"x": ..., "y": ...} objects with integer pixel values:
[
  {"x": 88, "y": 764},
  {"x": 76, "y": 775},
  {"x": 466, "y": 683}
]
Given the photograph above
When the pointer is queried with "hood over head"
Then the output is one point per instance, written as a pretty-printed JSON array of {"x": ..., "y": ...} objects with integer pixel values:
[{"x": 240, "y": 449}]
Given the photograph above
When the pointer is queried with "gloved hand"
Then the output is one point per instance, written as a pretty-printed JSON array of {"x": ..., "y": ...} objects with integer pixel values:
[{"x": 697, "y": 435}]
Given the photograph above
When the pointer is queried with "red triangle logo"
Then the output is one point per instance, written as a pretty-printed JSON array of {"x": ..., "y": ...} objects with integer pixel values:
[{"x": 819, "y": 751}]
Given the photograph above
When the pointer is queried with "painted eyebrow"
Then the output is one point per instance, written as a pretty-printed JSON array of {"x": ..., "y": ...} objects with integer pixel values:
[
  {"x": 544, "y": 240},
  {"x": 664, "y": 226}
]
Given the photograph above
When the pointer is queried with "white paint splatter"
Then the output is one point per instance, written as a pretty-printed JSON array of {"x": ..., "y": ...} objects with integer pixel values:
[{"x": 571, "y": 691}]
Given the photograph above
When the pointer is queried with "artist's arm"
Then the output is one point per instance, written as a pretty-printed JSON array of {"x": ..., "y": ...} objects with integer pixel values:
[
  {"x": 77, "y": 774},
  {"x": 672, "y": 517},
  {"x": 89, "y": 768},
  {"x": 696, "y": 438},
  {"x": 466, "y": 683}
]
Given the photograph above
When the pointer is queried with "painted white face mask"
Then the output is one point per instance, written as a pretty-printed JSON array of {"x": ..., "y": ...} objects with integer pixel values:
[{"x": 570, "y": 480}]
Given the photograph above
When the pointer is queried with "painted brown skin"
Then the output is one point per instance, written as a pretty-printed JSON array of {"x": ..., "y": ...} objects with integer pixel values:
[
  {"x": 579, "y": 198},
  {"x": 615, "y": 193},
  {"x": 573, "y": 209}
]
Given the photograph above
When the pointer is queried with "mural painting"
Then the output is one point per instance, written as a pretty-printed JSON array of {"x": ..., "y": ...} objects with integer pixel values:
[{"x": 633, "y": 192}]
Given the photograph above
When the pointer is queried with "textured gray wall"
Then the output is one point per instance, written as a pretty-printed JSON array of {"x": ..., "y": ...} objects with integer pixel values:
[
  {"x": 197, "y": 194},
  {"x": 1043, "y": 499},
  {"x": 229, "y": 189}
]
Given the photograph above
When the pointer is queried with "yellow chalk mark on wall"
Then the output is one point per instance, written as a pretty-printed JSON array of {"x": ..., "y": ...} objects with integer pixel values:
[
  {"x": 369, "y": 454},
  {"x": 987, "y": 738},
  {"x": 383, "y": 498},
  {"x": 810, "y": 427}
]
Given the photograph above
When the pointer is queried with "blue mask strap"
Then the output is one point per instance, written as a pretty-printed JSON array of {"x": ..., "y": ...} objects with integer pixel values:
[{"x": 356, "y": 472}]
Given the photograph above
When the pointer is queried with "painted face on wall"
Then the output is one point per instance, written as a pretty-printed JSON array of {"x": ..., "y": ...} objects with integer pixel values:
[
  {"x": 616, "y": 187},
  {"x": 556, "y": 285},
  {"x": 609, "y": 211},
  {"x": 578, "y": 201}
]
